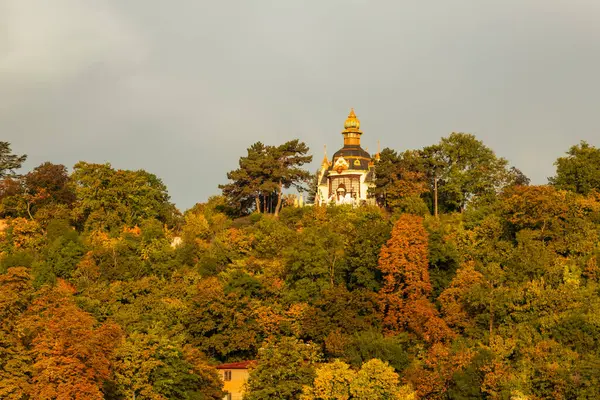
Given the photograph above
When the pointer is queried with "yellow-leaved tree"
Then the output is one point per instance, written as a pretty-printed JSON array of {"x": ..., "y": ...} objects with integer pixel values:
[{"x": 376, "y": 380}]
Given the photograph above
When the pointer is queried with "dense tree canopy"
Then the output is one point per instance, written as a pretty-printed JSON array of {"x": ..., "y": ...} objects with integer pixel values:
[
  {"x": 108, "y": 197},
  {"x": 107, "y": 291},
  {"x": 457, "y": 171},
  {"x": 400, "y": 181}
]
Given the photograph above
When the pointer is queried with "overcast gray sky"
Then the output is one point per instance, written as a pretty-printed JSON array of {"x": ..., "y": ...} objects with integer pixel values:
[{"x": 181, "y": 88}]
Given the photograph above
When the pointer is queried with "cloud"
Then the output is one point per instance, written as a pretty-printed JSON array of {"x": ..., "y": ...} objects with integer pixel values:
[
  {"x": 182, "y": 88},
  {"x": 50, "y": 41}
]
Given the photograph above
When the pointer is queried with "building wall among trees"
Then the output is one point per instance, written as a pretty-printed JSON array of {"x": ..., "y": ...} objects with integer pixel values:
[{"x": 234, "y": 377}]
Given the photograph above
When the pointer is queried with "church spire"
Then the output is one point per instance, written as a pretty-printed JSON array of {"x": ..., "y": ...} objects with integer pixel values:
[
  {"x": 325, "y": 162},
  {"x": 352, "y": 130}
]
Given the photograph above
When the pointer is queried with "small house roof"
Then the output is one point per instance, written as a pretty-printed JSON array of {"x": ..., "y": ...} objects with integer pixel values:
[{"x": 236, "y": 365}]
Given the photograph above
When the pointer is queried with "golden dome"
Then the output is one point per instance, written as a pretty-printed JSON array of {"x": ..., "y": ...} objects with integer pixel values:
[{"x": 352, "y": 123}]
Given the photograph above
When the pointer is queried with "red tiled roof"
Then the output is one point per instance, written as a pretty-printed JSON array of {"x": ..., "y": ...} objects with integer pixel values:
[{"x": 237, "y": 365}]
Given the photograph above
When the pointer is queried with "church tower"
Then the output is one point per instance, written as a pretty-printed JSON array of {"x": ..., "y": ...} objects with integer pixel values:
[{"x": 350, "y": 174}]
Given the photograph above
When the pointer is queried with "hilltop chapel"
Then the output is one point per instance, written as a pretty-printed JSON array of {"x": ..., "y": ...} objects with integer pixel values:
[{"x": 346, "y": 179}]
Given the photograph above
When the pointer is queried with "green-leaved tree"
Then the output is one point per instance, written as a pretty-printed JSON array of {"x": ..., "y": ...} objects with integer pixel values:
[
  {"x": 264, "y": 173},
  {"x": 283, "y": 368},
  {"x": 579, "y": 170},
  {"x": 9, "y": 162}
]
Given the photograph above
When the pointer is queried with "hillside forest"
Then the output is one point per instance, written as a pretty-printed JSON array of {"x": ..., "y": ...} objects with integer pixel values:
[{"x": 463, "y": 282}]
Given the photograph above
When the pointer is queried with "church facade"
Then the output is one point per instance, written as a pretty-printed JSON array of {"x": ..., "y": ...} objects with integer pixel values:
[{"x": 348, "y": 176}]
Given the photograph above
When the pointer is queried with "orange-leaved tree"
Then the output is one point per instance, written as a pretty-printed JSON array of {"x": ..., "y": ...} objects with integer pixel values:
[
  {"x": 71, "y": 351},
  {"x": 453, "y": 299},
  {"x": 432, "y": 375},
  {"x": 403, "y": 262}
]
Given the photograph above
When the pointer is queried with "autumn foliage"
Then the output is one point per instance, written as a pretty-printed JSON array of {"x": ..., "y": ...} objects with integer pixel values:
[
  {"x": 107, "y": 291},
  {"x": 404, "y": 295},
  {"x": 71, "y": 355}
]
